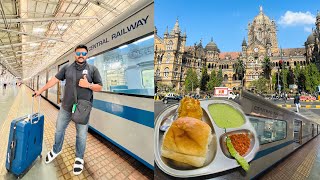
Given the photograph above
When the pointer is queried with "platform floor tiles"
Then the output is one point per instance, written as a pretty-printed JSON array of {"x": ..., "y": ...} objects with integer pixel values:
[
  {"x": 102, "y": 159},
  {"x": 304, "y": 164}
]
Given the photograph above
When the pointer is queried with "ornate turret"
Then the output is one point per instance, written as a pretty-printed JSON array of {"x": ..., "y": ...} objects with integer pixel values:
[
  {"x": 176, "y": 29},
  {"x": 166, "y": 33},
  {"x": 244, "y": 43},
  {"x": 318, "y": 21}
]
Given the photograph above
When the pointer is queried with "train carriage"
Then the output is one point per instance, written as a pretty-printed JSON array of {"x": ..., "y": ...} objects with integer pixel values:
[{"x": 123, "y": 53}]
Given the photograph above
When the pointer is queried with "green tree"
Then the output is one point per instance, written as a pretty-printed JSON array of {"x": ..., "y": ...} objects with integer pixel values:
[
  {"x": 219, "y": 78},
  {"x": 267, "y": 67},
  {"x": 274, "y": 80},
  {"x": 290, "y": 77},
  {"x": 239, "y": 69},
  {"x": 296, "y": 72},
  {"x": 204, "y": 79},
  {"x": 212, "y": 81},
  {"x": 260, "y": 85},
  {"x": 302, "y": 79},
  {"x": 284, "y": 78},
  {"x": 191, "y": 82},
  {"x": 311, "y": 77}
]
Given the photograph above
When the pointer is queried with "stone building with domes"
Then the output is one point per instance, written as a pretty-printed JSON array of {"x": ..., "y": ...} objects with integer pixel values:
[
  {"x": 312, "y": 45},
  {"x": 173, "y": 58}
]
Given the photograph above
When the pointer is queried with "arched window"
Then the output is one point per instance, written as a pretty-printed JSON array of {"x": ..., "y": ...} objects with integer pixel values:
[
  {"x": 169, "y": 45},
  {"x": 166, "y": 72},
  {"x": 225, "y": 77},
  {"x": 234, "y": 77},
  {"x": 277, "y": 64},
  {"x": 227, "y": 66},
  {"x": 175, "y": 73},
  {"x": 159, "y": 59},
  {"x": 295, "y": 63},
  {"x": 168, "y": 58},
  {"x": 158, "y": 73},
  {"x": 288, "y": 63}
]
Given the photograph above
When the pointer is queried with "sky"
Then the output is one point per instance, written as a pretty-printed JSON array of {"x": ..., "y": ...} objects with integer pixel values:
[{"x": 227, "y": 21}]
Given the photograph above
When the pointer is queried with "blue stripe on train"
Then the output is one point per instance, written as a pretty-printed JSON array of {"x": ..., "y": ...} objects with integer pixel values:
[
  {"x": 265, "y": 152},
  {"x": 124, "y": 149},
  {"x": 139, "y": 116}
]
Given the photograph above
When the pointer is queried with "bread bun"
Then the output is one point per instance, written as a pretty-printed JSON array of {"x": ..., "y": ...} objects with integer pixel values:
[{"x": 187, "y": 141}]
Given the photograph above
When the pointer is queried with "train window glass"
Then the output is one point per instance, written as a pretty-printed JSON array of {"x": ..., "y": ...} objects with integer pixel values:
[
  {"x": 128, "y": 69},
  {"x": 62, "y": 83},
  {"x": 52, "y": 92},
  {"x": 147, "y": 78},
  {"x": 42, "y": 80},
  {"x": 269, "y": 130}
]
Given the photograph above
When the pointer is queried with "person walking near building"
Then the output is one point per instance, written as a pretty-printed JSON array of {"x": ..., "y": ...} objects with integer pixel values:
[
  {"x": 87, "y": 79},
  {"x": 297, "y": 101}
]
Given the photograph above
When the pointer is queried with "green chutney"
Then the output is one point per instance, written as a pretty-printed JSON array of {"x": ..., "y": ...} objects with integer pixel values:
[{"x": 225, "y": 116}]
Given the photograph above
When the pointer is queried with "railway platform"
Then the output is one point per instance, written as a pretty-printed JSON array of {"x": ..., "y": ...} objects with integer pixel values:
[
  {"x": 103, "y": 160},
  {"x": 303, "y": 164}
]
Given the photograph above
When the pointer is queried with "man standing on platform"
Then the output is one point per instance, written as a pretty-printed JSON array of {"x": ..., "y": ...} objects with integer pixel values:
[{"x": 88, "y": 79}]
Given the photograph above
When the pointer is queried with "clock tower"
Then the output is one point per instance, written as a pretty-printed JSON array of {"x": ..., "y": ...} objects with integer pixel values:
[{"x": 262, "y": 37}]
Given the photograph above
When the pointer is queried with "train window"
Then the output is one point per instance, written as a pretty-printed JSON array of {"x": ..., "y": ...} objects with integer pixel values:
[
  {"x": 147, "y": 78},
  {"x": 52, "y": 92},
  {"x": 269, "y": 130},
  {"x": 128, "y": 69}
]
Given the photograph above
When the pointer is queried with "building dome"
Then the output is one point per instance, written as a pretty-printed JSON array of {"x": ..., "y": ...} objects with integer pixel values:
[
  {"x": 311, "y": 39},
  {"x": 211, "y": 46},
  {"x": 262, "y": 19}
]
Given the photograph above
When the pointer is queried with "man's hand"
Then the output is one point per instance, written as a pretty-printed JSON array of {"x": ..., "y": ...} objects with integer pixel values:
[
  {"x": 84, "y": 82},
  {"x": 37, "y": 93}
]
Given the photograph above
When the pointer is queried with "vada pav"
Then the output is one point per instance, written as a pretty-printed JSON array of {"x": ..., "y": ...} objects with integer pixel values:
[{"x": 187, "y": 141}]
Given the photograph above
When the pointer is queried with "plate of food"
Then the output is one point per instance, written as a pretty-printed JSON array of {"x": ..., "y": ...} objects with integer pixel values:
[{"x": 196, "y": 138}]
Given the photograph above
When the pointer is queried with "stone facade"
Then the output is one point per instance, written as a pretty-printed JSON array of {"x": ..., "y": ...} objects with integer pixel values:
[
  {"x": 173, "y": 58},
  {"x": 312, "y": 45}
]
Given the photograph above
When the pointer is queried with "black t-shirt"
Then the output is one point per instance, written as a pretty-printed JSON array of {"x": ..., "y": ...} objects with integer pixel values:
[
  {"x": 66, "y": 73},
  {"x": 296, "y": 100}
]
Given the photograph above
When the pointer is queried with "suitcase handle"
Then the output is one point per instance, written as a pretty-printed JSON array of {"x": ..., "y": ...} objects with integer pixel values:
[{"x": 30, "y": 118}]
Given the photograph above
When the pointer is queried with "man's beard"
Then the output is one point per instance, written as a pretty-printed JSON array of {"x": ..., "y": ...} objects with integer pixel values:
[{"x": 81, "y": 62}]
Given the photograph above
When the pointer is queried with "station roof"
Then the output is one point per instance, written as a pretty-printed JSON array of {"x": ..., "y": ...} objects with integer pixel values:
[{"x": 34, "y": 33}]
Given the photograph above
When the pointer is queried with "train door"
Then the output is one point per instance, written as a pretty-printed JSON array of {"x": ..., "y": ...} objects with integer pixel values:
[
  {"x": 312, "y": 126},
  {"x": 61, "y": 84},
  {"x": 297, "y": 130}
]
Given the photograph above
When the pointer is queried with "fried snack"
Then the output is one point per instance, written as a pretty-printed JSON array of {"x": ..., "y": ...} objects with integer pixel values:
[
  {"x": 190, "y": 107},
  {"x": 187, "y": 141},
  {"x": 241, "y": 142}
]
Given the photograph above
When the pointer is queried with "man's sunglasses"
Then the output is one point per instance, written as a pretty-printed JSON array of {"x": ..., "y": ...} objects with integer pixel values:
[{"x": 83, "y": 53}]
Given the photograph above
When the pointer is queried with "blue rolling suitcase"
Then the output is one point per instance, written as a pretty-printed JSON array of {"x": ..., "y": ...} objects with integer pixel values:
[{"x": 25, "y": 142}]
